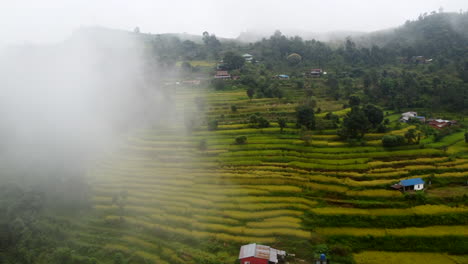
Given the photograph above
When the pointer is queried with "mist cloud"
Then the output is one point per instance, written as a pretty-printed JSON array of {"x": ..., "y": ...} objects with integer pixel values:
[{"x": 77, "y": 97}]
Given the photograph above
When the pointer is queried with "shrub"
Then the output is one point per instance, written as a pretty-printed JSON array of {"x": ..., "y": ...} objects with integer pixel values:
[
  {"x": 212, "y": 125},
  {"x": 218, "y": 84},
  {"x": 258, "y": 121},
  {"x": 202, "y": 145},
  {"x": 240, "y": 140},
  {"x": 234, "y": 108},
  {"x": 393, "y": 140}
]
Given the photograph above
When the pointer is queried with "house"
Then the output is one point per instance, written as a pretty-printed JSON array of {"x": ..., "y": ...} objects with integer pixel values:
[
  {"x": 222, "y": 75},
  {"x": 247, "y": 57},
  {"x": 282, "y": 76},
  {"x": 260, "y": 254},
  {"x": 316, "y": 72},
  {"x": 441, "y": 123},
  {"x": 405, "y": 117},
  {"x": 410, "y": 184}
]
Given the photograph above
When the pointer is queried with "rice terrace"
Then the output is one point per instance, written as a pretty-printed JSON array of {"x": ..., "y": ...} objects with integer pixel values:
[
  {"x": 127, "y": 147},
  {"x": 284, "y": 187}
]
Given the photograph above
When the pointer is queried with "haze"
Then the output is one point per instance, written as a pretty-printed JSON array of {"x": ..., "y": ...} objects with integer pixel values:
[{"x": 53, "y": 20}]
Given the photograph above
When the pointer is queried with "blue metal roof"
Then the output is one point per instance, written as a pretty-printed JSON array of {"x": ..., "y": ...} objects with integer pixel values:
[
  {"x": 411, "y": 182},
  {"x": 283, "y": 76}
]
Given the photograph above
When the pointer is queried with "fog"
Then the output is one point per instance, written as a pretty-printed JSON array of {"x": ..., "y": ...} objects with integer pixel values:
[
  {"x": 54, "y": 20},
  {"x": 63, "y": 104}
]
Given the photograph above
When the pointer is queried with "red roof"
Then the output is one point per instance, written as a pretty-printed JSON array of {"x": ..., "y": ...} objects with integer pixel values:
[
  {"x": 440, "y": 124},
  {"x": 222, "y": 73}
]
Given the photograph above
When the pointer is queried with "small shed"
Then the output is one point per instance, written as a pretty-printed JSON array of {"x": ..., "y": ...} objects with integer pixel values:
[
  {"x": 410, "y": 184},
  {"x": 260, "y": 254},
  {"x": 282, "y": 76}
]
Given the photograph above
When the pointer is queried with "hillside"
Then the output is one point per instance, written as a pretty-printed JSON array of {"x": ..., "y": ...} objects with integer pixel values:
[
  {"x": 172, "y": 199},
  {"x": 174, "y": 149},
  {"x": 440, "y": 34}
]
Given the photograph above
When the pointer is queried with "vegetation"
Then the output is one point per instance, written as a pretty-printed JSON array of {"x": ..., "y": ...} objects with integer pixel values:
[{"x": 261, "y": 163}]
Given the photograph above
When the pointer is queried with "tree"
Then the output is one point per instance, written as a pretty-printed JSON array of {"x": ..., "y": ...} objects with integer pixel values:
[
  {"x": 258, "y": 121},
  {"x": 466, "y": 137},
  {"x": 282, "y": 123},
  {"x": 233, "y": 108},
  {"x": 355, "y": 124},
  {"x": 212, "y": 125},
  {"x": 218, "y": 84},
  {"x": 305, "y": 116},
  {"x": 240, "y": 140},
  {"x": 354, "y": 100},
  {"x": 136, "y": 30},
  {"x": 294, "y": 59},
  {"x": 410, "y": 136},
  {"x": 374, "y": 114},
  {"x": 233, "y": 61},
  {"x": 250, "y": 92},
  {"x": 186, "y": 67},
  {"x": 393, "y": 140},
  {"x": 202, "y": 145}
]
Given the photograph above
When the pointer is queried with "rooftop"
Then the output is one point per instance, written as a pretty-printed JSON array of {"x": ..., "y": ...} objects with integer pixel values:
[
  {"x": 411, "y": 182},
  {"x": 260, "y": 251}
]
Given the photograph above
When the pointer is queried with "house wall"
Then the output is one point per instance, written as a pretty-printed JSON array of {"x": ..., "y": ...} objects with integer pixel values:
[
  {"x": 253, "y": 260},
  {"x": 419, "y": 187}
]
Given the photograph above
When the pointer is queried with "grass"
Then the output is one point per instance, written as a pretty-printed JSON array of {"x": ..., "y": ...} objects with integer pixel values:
[{"x": 371, "y": 257}]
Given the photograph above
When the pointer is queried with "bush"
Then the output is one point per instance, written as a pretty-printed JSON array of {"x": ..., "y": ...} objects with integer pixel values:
[
  {"x": 258, "y": 121},
  {"x": 212, "y": 125},
  {"x": 234, "y": 108},
  {"x": 202, "y": 145},
  {"x": 393, "y": 140},
  {"x": 218, "y": 84},
  {"x": 240, "y": 140}
]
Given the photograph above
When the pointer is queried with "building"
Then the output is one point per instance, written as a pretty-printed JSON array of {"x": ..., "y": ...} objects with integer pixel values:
[
  {"x": 260, "y": 254},
  {"x": 415, "y": 184},
  {"x": 441, "y": 123},
  {"x": 247, "y": 57},
  {"x": 405, "y": 117},
  {"x": 316, "y": 72},
  {"x": 282, "y": 76},
  {"x": 222, "y": 75}
]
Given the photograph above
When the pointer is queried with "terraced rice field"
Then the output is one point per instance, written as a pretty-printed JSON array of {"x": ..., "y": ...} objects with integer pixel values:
[{"x": 164, "y": 199}]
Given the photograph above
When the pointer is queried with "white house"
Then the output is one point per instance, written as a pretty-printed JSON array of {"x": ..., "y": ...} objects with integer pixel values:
[
  {"x": 247, "y": 57},
  {"x": 416, "y": 184},
  {"x": 405, "y": 117}
]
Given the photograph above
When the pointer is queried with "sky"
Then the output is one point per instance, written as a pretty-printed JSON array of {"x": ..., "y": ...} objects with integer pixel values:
[{"x": 33, "y": 21}]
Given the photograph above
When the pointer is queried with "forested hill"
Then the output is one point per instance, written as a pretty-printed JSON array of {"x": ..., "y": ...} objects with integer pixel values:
[{"x": 434, "y": 35}]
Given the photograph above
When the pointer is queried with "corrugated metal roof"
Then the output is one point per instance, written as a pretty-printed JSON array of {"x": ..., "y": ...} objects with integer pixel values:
[
  {"x": 260, "y": 251},
  {"x": 411, "y": 182},
  {"x": 247, "y": 251}
]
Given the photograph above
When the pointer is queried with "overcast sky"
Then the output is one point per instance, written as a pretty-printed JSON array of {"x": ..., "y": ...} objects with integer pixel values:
[{"x": 40, "y": 21}]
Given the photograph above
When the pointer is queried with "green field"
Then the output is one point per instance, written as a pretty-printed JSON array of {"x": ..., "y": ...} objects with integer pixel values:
[{"x": 164, "y": 199}]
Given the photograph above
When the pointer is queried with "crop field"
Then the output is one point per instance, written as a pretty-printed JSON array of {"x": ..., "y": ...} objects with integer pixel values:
[
  {"x": 176, "y": 196},
  {"x": 370, "y": 257}
]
